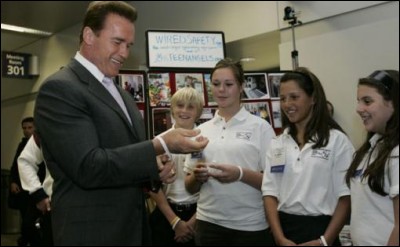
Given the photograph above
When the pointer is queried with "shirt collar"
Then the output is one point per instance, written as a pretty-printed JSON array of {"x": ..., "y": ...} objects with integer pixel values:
[
  {"x": 194, "y": 126},
  {"x": 374, "y": 139},
  {"x": 89, "y": 66},
  {"x": 241, "y": 115}
]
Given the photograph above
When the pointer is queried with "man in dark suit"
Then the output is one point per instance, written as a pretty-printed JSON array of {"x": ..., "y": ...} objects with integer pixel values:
[{"x": 93, "y": 139}]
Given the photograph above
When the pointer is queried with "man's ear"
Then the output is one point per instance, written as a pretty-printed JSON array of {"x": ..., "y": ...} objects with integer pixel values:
[{"x": 88, "y": 35}]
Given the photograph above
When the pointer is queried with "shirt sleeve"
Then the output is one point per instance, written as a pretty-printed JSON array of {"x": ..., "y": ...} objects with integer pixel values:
[
  {"x": 344, "y": 151},
  {"x": 394, "y": 173},
  {"x": 267, "y": 134},
  {"x": 271, "y": 181},
  {"x": 28, "y": 162}
]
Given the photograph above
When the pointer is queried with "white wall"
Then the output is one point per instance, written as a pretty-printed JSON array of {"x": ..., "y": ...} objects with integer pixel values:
[
  {"x": 237, "y": 19},
  {"x": 342, "y": 49},
  {"x": 308, "y": 11},
  {"x": 18, "y": 96}
]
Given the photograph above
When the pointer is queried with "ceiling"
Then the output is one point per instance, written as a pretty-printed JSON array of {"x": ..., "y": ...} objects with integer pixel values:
[
  {"x": 51, "y": 16},
  {"x": 54, "y": 16}
]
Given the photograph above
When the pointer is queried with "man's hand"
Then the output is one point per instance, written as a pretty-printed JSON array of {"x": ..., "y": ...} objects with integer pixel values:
[
  {"x": 15, "y": 189},
  {"x": 183, "y": 141},
  {"x": 44, "y": 205}
]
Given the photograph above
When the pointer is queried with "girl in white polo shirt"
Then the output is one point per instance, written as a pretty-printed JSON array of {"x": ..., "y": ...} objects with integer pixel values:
[
  {"x": 230, "y": 209},
  {"x": 374, "y": 173},
  {"x": 306, "y": 198}
]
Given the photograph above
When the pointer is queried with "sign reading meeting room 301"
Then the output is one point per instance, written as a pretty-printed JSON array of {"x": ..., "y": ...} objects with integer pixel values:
[{"x": 15, "y": 64}]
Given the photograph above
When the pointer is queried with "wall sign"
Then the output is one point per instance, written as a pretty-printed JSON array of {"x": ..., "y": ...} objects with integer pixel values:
[
  {"x": 184, "y": 49},
  {"x": 15, "y": 65}
]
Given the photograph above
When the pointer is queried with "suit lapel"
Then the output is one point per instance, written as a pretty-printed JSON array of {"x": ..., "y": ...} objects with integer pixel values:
[{"x": 100, "y": 92}]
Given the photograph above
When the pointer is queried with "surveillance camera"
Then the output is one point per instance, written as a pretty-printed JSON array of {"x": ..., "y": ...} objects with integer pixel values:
[{"x": 289, "y": 13}]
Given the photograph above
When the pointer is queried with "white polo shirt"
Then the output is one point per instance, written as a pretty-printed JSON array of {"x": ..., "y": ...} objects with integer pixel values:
[
  {"x": 243, "y": 140},
  {"x": 308, "y": 181},
  {"x": 372, "y": 216},
  {"x": 176, "y": 191}
]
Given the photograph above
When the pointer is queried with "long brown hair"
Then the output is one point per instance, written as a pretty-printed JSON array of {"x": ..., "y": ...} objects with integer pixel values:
[{"x": 386, "y": 82}]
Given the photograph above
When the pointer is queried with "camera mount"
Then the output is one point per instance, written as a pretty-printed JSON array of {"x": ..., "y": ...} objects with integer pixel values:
[{"x": 290, "y": 15}]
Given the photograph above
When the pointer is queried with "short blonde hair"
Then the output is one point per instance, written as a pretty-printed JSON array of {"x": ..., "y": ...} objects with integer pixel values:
[{"x": 188, "y": 96}]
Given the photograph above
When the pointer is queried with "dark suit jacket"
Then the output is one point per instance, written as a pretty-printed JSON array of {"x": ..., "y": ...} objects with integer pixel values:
[{"x": 97, "y": 159}]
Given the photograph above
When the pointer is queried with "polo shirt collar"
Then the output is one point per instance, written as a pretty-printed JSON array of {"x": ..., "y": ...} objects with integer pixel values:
[{"x": 241, "y": 115}]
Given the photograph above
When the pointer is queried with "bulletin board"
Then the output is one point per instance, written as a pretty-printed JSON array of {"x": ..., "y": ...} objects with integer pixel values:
[{"x": 260, "y": 97}]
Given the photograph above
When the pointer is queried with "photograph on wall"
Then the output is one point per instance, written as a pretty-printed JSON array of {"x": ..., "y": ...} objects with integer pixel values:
[
  {"x": 134, "y": 84},
  {"x": 162, "y": 120},
  {"x": 159, "y": 89},
  {"x": 210, "y": 97},
  {"x": 208, "y": 114},
  {"x": 276, "y": 113},
  {"x": 274, "y": 80},
  {"x": 255, "y": 86},
  {"x": 260, "y": 109},
  {"x": 194, "y": 80}
]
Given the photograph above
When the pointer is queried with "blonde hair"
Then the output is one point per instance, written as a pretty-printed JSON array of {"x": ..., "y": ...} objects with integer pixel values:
[{"x": 188, "y": 96}]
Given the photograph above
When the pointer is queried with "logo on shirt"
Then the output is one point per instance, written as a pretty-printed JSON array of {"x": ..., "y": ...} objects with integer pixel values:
[
  {"x": 243, "y": 135},
  {"x": 321, "y": 153}
]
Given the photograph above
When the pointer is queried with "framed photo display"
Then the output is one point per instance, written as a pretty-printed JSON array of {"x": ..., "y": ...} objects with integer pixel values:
[
  {"x": 276, "y": 113},
  {"x": 255, "y": 86},
  {"x": 162, "y": 120},
  {"x": 210, "y": 97},
  {"x": 274, "y": 80},
  {"x": 260, "y": 109},
  {"x": 133, "y": 82},
  {"x": 159, "y": 89}
]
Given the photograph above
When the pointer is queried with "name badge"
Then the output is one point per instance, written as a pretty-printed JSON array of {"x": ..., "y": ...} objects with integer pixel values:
[
  {"x": 197, "y": 155},
  {"x": 278, "y": 156},
  {"x": 277, "y": 169}
]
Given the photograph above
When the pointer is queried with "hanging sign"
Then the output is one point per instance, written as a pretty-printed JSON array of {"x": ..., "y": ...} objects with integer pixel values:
[
  {"x": 184, "y": 49},
  {"x": 15, "y": 64}
]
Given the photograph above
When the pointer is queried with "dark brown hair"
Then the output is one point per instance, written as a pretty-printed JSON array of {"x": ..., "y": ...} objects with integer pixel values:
[
  {"x": 97, "y": 12},
  {"x": 236, "y": 68},
  {"x": 386, "y": 82},
  {"x": 317, "y": 129}
]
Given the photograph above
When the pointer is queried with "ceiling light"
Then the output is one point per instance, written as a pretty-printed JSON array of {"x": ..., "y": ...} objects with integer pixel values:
[
  {"x": 24, "y": 30},
  {"x": 247, "y": 59}
]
